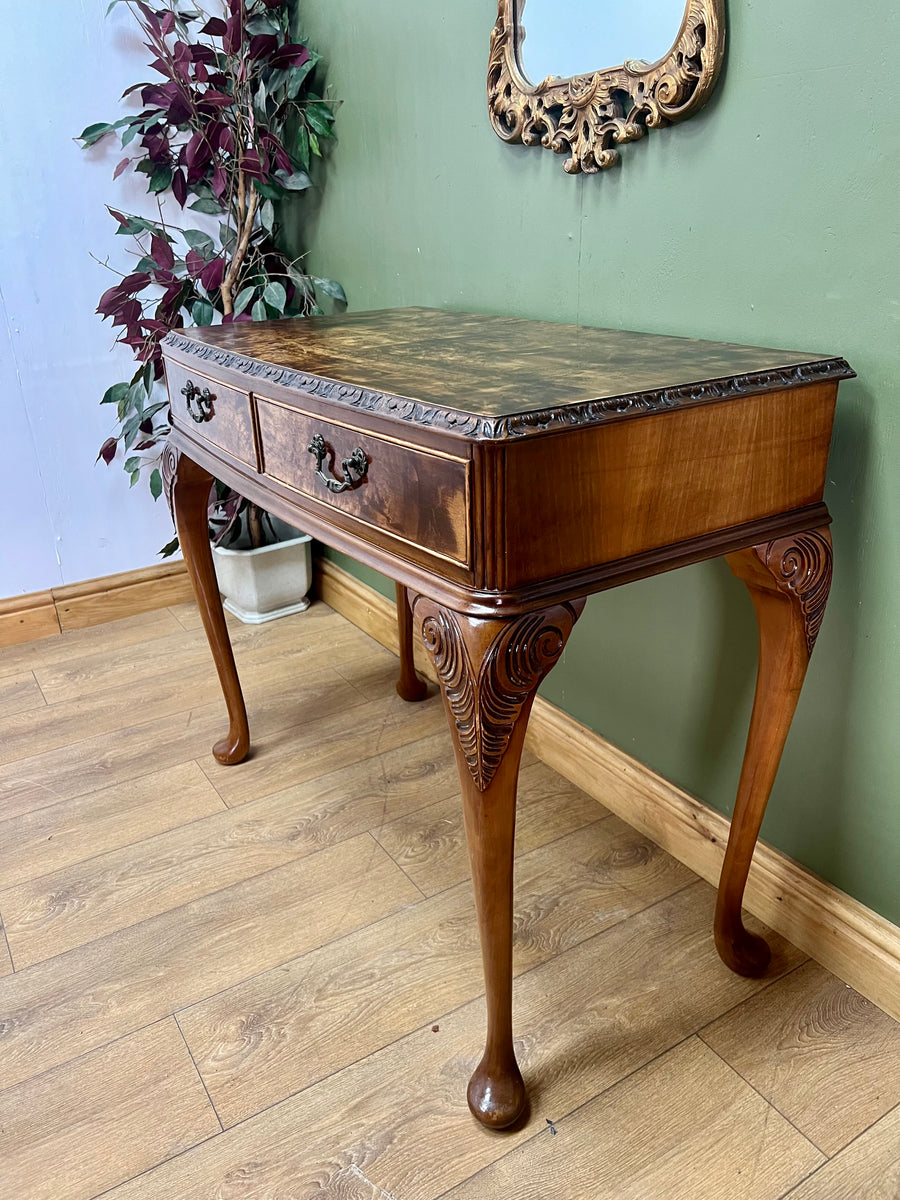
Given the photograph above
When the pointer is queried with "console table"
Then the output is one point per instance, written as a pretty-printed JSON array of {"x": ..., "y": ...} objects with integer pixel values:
[{"x": 500, "y": 471}]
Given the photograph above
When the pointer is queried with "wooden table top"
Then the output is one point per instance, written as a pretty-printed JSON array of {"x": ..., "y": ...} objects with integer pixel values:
[{"x": 489, "y": 376}]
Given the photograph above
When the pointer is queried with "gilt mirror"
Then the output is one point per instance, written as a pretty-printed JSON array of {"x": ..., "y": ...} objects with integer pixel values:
[{"x": 547, "y": 85}]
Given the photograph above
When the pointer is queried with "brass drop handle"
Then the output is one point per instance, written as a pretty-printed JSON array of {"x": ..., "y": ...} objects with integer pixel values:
[
  {"x": 204, "y": 400},
  {"x": 356, "y": 465}
]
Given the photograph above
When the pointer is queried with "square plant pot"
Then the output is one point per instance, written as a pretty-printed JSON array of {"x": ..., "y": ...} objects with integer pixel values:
[{"x": 271, "y": 581}]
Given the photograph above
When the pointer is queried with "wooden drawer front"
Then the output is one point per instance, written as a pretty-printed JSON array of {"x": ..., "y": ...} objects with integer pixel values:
[
  {"x": 418, "y": 496},
  {"x": 224, "y": 419}
]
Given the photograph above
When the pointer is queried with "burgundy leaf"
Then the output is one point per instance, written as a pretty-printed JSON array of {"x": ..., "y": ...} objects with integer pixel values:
[
  {"x": 195, "y": 262},
  {"x": 226, "y": 140},
  {"x": 197, "y": 152},
  {"x": 231, "y": 318},
  {"x": 154, "y": 326},
  {"x": 200, "y": 73},
  {"x": 231, "y": 39},
  {"x": 168, "y": 23},
  {"x": 215, "y": 27},
  {"x": 213, "y": 99},
  {"x": 219, "y": 181},
  {"x": 263, "y": 45},
  {"x": 108, "y": 450},
  {"x": 162, "y": 253},
  {"x": 136, "y": 282},
  {"x": 291, "y": 54},
  {"x": 121, "y": 167},
  {"x": 123, "y": 220},
  {"x": 179, "y": 187},
  {"x": 212, "y": 275},
  {"x": 251, "y": 164},
  {"x": 127, "y": 314},
  {"x": 202, "y": 54},
  {"x": 110, "y": 302},
  {"x": 146, "y": 445}
]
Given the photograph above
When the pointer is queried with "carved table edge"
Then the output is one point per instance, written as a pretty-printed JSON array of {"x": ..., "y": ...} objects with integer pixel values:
[{"x": 515, "y": 425}]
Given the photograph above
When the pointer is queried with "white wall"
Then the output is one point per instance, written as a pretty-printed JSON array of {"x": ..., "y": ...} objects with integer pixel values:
[{"x": 62, "y": 67}]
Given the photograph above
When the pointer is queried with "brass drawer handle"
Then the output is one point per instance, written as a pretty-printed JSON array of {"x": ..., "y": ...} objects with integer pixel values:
[
  {"x": 357, "y": 464},
  {"x": 204, "y": 399}
]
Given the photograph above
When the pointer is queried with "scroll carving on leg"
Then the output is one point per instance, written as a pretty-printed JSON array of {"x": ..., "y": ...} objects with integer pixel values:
[
  {"x": 489, "y": 671},
  {"x": 187, "y": 488},
  {"x": 789, "y": 580}
]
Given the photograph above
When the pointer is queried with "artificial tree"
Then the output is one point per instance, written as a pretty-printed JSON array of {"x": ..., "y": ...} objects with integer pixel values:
[{"x": 228, "y": 130}]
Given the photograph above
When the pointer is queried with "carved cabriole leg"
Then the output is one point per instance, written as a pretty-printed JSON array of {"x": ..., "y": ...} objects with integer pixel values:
[
  {"x": 187, "y": 488},
  {"x": 409, "y": 685},
  {"x": 489, "y": 671},
  {"x": 789, "y": 580}
]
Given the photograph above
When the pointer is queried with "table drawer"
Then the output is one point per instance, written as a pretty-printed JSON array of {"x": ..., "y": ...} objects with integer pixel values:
[
  {"x": 205, "y": 408},
  {"x": 419, "y": 496}
]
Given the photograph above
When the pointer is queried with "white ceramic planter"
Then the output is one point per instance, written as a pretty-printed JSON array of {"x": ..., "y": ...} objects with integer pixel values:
[{"x": 272, "y": 581}]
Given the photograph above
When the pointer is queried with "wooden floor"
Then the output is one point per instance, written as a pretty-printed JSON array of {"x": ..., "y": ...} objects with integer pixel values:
[{"x": 263, "y": 981}]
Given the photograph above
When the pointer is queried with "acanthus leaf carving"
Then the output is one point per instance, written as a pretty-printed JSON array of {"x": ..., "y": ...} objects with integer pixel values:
[
  {"x": 486, "y": 700},
  {"x": 802, "y": 566}
]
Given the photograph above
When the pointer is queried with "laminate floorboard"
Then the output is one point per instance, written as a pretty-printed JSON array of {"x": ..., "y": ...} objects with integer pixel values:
[
  {"x": 20, "y": 693},
  {"x": 87, "y": 1125},
  {"x": 264, "y": 980},
  {"x": 808, "y": 1036}
]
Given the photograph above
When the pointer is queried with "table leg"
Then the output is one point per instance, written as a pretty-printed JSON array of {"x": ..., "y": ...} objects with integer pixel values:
[
  {"x": 789, "y": 580},
  {"x": 409, "y": 685},
  {"x": 489, "y": 671},
  {"x": 188, "y": 488}
]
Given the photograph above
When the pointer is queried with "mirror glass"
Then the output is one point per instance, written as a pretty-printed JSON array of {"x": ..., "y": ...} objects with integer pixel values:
[{"x": 575, "y": 37}]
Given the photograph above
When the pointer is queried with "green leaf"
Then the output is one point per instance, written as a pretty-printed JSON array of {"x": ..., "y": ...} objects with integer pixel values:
[
  {"x": 314, "y": 143},
  {"x": 114, "y": 394},
  {"x": 160, "y": 180},
  {"x": 298, "y": 182},
  {"x": 320, "y": 117},
  {"x": 303, "y": 283},
  {"x": 243, "y": 299},
  {"x": 154, "y": 409},
  {"x": 132, "y": 464},
  {"x": 155, "y": 484},
  {"x": 331, "y": 288},
  {"x": 198, "y": 240},
  {"x": 205, "y": 205},
  {"x": 93, "y": 133},
  {"x": 135, "y": 476},
  {"x": 203, "y": 313},
  {"x": 268, "y": 190},
  {"x": 258, "y": 312},
  {"x": 296, "y": 76},
  {"x": 129, "y": 135},
  {"x": 169, "y": 548},
  {"x": 303, "y": 147},
  {"x": 267, "y": 216},
  {"x": 145, "y": 264},
  {"x": 275, "y": 296}
]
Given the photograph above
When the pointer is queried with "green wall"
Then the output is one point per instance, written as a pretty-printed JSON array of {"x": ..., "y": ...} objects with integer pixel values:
[{"x": 771, "y": 218}]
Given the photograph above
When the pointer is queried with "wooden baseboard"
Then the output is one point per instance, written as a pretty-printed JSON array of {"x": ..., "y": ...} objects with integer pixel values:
[
  {"x": 858, "y": 945},
  {"x": 77, "y": 605}
]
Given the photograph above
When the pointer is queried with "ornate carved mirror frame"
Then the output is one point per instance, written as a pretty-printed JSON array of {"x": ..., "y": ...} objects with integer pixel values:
[{"x": 587, "y": 116}]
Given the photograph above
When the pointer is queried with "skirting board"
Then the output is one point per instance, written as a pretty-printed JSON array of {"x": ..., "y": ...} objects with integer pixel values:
[
  {"x": 852, "y": 941},
  {"x": 77, "y": 605}
]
